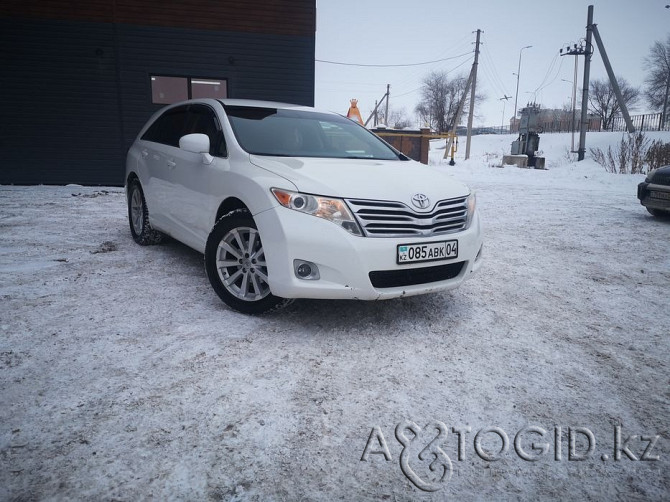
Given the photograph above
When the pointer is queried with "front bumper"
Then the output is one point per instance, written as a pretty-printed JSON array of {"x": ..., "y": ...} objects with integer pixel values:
[
  {"x": 348, "y": 265},
  {"x": 654, "y": 196}
]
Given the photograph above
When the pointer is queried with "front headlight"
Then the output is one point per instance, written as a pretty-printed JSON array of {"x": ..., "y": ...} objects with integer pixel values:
[
  {"x": 471, "y": 204},
  {"x": 328, "y": 208}
]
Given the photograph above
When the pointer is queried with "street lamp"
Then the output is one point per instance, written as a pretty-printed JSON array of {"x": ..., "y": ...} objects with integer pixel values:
[
  {"x": 518, "y": 73},
  {"x": 504, "y": 99},
  {"x": 574, "y": 106}
]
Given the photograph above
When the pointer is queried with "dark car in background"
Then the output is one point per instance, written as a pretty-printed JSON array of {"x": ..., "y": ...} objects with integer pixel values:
[{"x": 654, "y": 192}]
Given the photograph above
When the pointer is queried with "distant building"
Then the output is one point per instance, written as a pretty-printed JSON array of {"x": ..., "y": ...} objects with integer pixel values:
[{"x": 80, "y": 78}]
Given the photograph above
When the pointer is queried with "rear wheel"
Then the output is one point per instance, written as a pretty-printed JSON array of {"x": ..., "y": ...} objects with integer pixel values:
[
  {"x": 236, "y": 266},
  {"x": 138, "y": 216}
]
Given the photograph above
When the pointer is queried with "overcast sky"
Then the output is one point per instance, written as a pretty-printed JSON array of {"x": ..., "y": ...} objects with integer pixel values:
[{"x": 399, "y": 32}]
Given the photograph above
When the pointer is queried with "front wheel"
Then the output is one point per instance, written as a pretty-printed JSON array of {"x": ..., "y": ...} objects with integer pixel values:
[{"x": 236, "y": 266}]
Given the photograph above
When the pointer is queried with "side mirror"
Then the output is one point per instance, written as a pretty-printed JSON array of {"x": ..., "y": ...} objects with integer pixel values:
[{"x": 195, "y": 143}]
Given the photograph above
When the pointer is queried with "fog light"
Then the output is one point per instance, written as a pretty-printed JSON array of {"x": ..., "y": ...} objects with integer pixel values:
[{"x": 306, "y": 270}]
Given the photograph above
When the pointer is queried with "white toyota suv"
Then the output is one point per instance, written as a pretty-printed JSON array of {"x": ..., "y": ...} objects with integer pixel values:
[{"x": 288, "y": 202}]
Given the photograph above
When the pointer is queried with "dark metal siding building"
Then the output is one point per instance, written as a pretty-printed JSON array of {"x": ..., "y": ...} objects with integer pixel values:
[{"x": 79, "y": 79}]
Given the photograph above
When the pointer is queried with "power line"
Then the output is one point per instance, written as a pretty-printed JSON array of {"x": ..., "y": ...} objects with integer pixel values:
[
  {"x": 461, "y": 44},
  {"x": 391, "y": 65},
  {"x": 410, "y": 74},
  {"x": 446, "y": 73},
  {"x": 493, "y": 72},
  {"x": 558, "y": 74},
  {"x": 547, "y": 75},
  {"x": 491, "y": 79}
]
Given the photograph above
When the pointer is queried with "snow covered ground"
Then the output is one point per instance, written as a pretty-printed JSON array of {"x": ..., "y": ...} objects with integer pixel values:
[{"x": 124, "y": 377}]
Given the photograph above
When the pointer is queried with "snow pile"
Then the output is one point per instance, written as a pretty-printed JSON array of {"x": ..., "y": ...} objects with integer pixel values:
[
  {"x": 563, "y": 170},
  {"x": 124, "y": 377}
]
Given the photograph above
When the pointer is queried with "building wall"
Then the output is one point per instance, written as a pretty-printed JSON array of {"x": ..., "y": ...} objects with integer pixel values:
[
  {"x": 280, "y": 17},
  {"x": 75, "y": 79}
]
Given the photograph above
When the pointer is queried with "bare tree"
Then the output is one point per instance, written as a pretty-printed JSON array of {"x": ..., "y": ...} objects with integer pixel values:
[
  {"x": 603, "y": 102},
  {"x": 398, "y": 119},
  {"x": 657, "y": 83},
  {"x": 440, "y": 96}
]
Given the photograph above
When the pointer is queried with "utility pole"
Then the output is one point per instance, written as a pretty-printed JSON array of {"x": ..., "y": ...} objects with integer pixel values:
[
  {"x": 664, "y": 117},
  {"x": 588, "y": 52},
  {"x": 377, "y": 105},
  {"x": 388, "y": 93},
  {"x": 472, "y": 96},
  {"x": 575, "y": 50},
  {"x": 574, "y": 105},
  {"x": 592, "y": 30},
  {"x": 459, "y": 111},
  {"x": 613, "y": 82}
]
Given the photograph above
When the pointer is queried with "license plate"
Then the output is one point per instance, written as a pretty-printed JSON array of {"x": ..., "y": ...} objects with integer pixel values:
[
  {"x": 659, "y": 195},
  {"x": 431, "y": 251}
]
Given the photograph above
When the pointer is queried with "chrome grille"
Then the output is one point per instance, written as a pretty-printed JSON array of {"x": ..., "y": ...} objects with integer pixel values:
[{"x": 395, "y": 219}]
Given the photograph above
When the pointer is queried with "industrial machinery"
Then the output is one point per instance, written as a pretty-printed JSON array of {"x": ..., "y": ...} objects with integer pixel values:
[
  {"x": 528, "y": 142},
  {"x": 524, "y": 149}
]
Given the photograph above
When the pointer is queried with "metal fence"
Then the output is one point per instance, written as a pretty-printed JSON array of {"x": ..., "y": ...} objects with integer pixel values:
[
  {"x": 462, "y": 131},
  {"x": 646, "y": 122}
]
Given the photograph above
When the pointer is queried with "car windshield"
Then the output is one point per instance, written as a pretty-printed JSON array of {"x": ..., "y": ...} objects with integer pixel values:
[{"x": 300, "y": 133}]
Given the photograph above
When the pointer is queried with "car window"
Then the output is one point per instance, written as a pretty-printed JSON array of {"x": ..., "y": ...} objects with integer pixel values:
[
  {"x": 154, "y": 131},
  {"x": 300, "y": 133},
  {"x": 337, "y": 137},
  {"x": 168, "y": 128},
  {"x": 202, "y": 119}
]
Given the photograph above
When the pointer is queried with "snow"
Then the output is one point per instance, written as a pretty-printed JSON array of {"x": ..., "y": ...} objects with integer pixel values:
[{"x": 124, "y": 377}]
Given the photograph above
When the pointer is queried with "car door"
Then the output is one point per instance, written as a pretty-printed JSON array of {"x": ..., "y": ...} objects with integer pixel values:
[
  {"x": 158, "y": 148},
  {"x": 195, "y": 176}
]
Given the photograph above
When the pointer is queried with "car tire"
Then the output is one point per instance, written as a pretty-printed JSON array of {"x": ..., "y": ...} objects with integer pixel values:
[
  {"x": 236, "y": 267},
  {"x": 138, "y": 217}
]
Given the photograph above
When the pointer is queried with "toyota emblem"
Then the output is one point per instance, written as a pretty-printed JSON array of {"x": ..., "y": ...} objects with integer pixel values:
[{"x": 420, "y": 200}]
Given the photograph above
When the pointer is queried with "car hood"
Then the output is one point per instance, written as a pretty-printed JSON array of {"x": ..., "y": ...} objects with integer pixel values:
[{"x": 364, "y": 179}]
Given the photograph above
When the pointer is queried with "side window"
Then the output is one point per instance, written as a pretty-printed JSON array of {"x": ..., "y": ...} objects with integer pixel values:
[
  {"x": 173, "y": 127},
  {"x": 168, "y": 128},
  {"x": 154, "y": 132},
  {"x": 202, "y": 119}
]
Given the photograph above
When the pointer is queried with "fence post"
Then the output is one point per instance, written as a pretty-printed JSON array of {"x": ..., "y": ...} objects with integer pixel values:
[{"x": 425, "y": 145}]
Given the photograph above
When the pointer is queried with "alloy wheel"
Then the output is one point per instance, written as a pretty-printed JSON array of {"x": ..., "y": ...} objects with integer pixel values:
[
  {"x": 240, "y": 263},
  {"x": 137, "y": 211}
]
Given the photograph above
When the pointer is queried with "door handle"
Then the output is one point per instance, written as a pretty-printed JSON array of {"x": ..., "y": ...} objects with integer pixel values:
[
  {"x": 171, "y": 164},
  {"x": 145, "y": 154}
]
